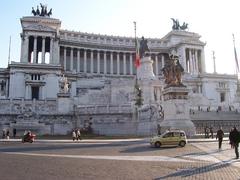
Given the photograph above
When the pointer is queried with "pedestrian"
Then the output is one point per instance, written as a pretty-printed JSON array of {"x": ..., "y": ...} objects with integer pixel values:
[
  {"x": 230, "y": 138},
  {"x": 235, "y": 136},
  {"x": 219, "y": 136},
  {"x": 78, "y": 134},
  {"x": 73, "y": 135},
  {"x": 211, "y": 132},
  {"x": 7, "y": 134},
  {"x": 3, "y": 133},
  {"x": 205, "y": 131},
  {"x": 14, "y": 132}
]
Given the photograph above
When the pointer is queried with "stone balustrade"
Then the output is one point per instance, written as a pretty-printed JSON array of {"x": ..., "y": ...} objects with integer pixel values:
[
  {"x": 103, "y": 109},
  {"x": 19, "y": 106}
]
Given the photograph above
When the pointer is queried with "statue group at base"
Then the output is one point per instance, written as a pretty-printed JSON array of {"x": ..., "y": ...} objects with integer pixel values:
[
  {"x": 175, "y": 95},
  {"x": 173, "y": 71}
]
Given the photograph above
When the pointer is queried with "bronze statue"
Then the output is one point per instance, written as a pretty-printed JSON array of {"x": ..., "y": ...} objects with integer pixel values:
[
  {"x": 177, "y": 26},
  {"x": 44, "y": 12},
  {"x": 173, "y": 71},
  {"x": 143, "y": 47},
  {"x": 34, "y": 12}
]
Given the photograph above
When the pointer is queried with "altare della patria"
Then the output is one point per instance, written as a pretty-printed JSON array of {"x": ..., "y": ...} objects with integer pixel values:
[{"x": 70, "y": 79}]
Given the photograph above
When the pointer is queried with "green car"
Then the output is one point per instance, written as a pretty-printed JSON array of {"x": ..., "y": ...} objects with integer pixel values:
[{"x": 171, "y": 137}]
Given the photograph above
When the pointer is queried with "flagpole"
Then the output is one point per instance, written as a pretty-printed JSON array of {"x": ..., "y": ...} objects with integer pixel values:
[
  {"x": 214, "y": 63},
  {"x": 237, "y": 67},
  {"x": 135, "y": 36},
  {"x": 235, "y": 54},
  {"x": 137, "y": 89},
  {"x": 9, "y": 51}
]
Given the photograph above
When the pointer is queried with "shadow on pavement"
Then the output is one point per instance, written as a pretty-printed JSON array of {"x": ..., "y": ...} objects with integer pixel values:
[
  {"x": 46, "y": 147},
  {"x": 183, "y": 173}
]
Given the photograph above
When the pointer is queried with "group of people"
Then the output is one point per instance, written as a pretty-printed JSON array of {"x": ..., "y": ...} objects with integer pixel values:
[
  {"x": 6, "y": 133},
  {"x": 234, "y": 139},
  {"x": 76, "y": 134},
  {"x": 208, "y": 132}
]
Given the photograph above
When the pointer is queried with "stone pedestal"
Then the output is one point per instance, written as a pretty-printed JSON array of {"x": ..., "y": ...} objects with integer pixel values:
[
  {"x": 65, "y": 103},
  {"x": 145, "y": 71},
  {"x": 176, "y": 110}
]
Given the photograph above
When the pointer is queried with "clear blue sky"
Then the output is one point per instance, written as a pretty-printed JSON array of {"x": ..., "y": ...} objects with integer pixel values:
[{"x": 214, "y": 20}]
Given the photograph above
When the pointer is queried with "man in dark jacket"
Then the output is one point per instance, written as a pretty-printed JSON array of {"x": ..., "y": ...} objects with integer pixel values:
[
  {"x": 219, "y": 136},
  {"x": 235, "y": 137}
]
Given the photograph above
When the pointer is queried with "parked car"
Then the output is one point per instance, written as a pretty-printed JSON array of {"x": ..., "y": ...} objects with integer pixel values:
[{"x": 170, "y": 137}]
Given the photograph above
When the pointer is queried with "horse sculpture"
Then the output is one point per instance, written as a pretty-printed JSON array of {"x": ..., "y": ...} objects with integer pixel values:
[
  {"x": 43, "y": 11},
  {"x": 177, "y": 26}
]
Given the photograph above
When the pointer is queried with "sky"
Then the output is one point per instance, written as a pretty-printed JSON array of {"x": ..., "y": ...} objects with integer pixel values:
[{"x": 214, "y": 20}]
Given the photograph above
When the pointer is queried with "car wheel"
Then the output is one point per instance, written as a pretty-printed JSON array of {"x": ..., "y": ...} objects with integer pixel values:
[
  {"x": 182, "y": 143},
  {"x": 157, "y": 144}
]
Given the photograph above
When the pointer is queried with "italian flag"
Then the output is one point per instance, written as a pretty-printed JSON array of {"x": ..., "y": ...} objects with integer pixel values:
[{"x": 137, "y": 57}]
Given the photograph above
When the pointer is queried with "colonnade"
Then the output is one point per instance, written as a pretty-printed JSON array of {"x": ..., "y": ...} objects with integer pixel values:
[
  {"x": 104, "y": 62},
  {"x": 33, "y": 46},
  {"x": 193, "y": 61}
]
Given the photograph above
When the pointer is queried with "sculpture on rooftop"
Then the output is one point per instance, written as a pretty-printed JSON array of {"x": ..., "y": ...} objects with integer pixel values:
[
  {"x": 177, "y": 26},
  {"x": 173, "y": 71},
  {"x": 44, "y": 12},
  {"x": 143, "y": 47}
]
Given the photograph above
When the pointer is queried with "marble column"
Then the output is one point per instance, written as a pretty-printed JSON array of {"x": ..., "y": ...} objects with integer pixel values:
[
  {"x": 65, "y": 58},
  {"x": 35, "y": 50},
  {"x": 190, "y": 61},
  {"x": 156, "y": 64},
  {"x": 98, "y": 62},
  {"x": 43, "y": 50},
  {"x": 71, "y": 59},
  {"x": 26, "y": 50},
  {"x": 51, "y": 51},
  {"x": 111, "y": 62},
  {"x": 131, "y": 63},
  {"x": 118, "y": 64},
  {"x": 85, "y": 61},
  {"x": 202, "y": 60},
  {"x": 124, "y": 63},
  {"x": 105, "y": 62},
  {"x": 78, "y": 60},
  {"x": 91, "y": 61},
  {"x": 196, "y": 61},
  {"x": 163, "y": 61}
]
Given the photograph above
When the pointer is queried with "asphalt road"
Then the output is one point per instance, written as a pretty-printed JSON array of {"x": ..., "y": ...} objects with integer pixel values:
[{"x": 115, "y": 160}]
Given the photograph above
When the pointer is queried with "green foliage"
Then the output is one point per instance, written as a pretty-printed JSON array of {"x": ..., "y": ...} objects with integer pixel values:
[{"x": 138, "y": 99}]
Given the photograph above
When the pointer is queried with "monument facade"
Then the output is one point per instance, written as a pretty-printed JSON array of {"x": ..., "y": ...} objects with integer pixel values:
[{"x": 100, "y": 77}]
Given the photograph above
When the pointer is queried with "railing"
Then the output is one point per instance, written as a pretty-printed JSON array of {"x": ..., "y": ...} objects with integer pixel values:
[
  {"x": 103, "y": 109},
  {"x": 18, "y": 106}
]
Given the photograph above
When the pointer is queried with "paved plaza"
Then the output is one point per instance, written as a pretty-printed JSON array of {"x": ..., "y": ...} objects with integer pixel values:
[{"x": 116, "y": 159}]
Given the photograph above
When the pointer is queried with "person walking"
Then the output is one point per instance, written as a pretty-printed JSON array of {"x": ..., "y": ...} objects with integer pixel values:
[
  {"x": 14, "y": 132},
  {"x": 230, "y": 138},
  {"x": 7, "y": 134},
  {"x": 235, "y": 136},
  {"x": 219, "y": 136},
  {"x": 73, "y": 135},
  {"x": 211, "y": 132},
  {"x": 78, "y": 134}
]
